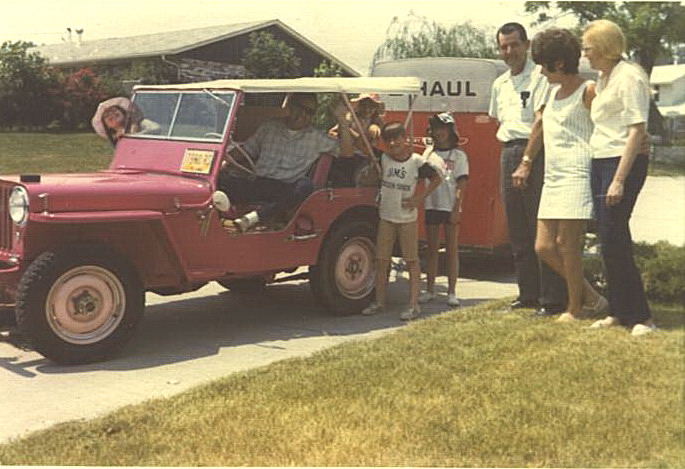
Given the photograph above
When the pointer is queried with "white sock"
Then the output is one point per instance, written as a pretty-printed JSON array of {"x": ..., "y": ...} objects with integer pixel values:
[{"x": 251, "y": 217}]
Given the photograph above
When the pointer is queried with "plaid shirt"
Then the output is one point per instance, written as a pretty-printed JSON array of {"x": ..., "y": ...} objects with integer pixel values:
[{"x": 286, "y": 155}]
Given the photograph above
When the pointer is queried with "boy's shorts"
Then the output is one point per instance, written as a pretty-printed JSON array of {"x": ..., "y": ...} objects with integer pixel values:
[{"x": 408, "y": 235}]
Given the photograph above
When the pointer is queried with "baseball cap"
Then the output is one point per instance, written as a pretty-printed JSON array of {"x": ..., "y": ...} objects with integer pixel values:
[{"x": 443, "y": 118}]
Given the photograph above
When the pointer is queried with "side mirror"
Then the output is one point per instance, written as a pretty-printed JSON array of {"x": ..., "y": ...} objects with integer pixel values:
[{"x": 221, "y": 201}]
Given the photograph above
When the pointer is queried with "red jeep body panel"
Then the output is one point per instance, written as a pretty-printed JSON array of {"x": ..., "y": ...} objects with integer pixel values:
[{"x": 160, "y": 155}]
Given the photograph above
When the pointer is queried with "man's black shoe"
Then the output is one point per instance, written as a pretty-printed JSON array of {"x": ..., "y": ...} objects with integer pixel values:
[
  {"x": 518, "y": 304},
  {"x": 549, "y": 310}
]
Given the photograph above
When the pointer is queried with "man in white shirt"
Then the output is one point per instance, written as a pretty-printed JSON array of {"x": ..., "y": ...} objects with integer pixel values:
[{"x": 515, "y": 97}]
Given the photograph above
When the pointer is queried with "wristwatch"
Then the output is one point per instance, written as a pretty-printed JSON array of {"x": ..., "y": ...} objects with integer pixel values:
[{"x": 527, "y": 160}]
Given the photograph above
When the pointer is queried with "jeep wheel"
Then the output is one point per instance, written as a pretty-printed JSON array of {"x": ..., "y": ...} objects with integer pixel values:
[
  {"x": 344, "y": 279},
  {"x": 79, "y": 305}
]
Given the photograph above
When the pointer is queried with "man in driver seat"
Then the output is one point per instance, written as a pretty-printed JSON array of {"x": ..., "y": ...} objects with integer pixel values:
[{"x": 284, "y": 150}]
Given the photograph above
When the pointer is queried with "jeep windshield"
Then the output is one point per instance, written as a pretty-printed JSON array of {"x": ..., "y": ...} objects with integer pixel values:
[{"x": 188, "y": 115}]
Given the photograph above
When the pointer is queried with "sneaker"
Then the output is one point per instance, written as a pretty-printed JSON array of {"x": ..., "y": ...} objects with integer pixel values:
[
  {"x": 426, "y": 296},
  {"x": 373, "y": 308},
  {"x": 601, "y": 306},
  {"x": 237, "y": 226},
  {"x": 412, "y": 312},
  {"x": 642, "y": 329},
  {"x": 567, "y": 317},
  {"x": 609, "y": 321},
  {"x": 452, "y": 300}
]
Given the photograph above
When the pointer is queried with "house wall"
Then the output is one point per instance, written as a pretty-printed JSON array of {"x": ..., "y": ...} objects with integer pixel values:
[{"x": 672, "y": 93}]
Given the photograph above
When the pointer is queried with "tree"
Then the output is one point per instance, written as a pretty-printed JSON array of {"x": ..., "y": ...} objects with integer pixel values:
[
  {"x": 267, "y": 57},
  {"x": 27, "y": 87},
  {"x": 417, "y": 36},
  {"x": 324, "y": 117},
  {"x": 651, "y": 28}
]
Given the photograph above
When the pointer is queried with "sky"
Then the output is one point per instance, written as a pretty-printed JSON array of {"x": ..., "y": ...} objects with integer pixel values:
[{"x": 351, "y": 30}]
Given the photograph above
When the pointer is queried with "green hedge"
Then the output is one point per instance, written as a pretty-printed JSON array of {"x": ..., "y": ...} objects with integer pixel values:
[{"x": 662, "y": 266}]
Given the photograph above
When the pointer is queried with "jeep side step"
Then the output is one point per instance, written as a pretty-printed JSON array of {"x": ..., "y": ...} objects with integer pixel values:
[{"x": 288, "y": 278}]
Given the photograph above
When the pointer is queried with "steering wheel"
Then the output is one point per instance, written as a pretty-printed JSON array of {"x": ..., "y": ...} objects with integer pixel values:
[{"x": 213, "y": 134}]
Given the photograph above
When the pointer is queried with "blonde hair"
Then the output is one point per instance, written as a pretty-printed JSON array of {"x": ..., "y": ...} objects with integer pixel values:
[{"x": 606, "y": 38}]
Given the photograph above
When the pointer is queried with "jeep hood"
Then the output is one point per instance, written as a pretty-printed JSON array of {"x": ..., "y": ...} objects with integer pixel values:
[{"x": 113, "y": 190}]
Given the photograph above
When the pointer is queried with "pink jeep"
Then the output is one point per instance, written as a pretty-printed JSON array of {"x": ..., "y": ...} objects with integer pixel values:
[{"x": 79, "y": 251}]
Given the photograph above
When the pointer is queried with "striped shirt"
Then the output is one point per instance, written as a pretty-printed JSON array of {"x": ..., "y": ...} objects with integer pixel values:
[
  {"x": 566, "y": 128},
  {"x": 285, "y": 154}
]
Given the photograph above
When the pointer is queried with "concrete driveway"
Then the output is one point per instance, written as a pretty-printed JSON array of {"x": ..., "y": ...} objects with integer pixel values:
[
  {"x": 190, "y": 339},
  {"x": 659, "y": 212}
]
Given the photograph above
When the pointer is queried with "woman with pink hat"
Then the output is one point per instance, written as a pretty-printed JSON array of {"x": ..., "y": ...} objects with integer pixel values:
[{"x": 118, "y": 116}]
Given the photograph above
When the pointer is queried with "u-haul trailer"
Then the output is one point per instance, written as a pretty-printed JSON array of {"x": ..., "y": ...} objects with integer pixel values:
[{"x": 461, "y": 86}]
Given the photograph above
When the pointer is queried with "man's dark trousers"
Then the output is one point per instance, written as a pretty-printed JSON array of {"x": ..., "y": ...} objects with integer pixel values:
[
  {"x": 276, "y": 197},
  {"x": 537, "y": 282}
]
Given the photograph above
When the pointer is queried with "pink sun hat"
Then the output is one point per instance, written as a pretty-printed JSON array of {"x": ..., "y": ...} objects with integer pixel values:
[{"x": 133, "y": 114}]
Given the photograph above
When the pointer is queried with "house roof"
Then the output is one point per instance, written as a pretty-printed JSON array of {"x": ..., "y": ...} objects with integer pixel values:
[
  {"x": 166, "y": 43},
  {"x": 382, "y": 85},
  {"x": 665, "y": 74}
]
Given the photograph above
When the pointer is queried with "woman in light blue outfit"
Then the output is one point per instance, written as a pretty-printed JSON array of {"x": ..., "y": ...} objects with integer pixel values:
[{"x": 566, "y": 200}]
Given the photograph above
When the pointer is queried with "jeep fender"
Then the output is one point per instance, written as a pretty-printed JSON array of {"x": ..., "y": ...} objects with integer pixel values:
[{"x": 141, "y": 236}]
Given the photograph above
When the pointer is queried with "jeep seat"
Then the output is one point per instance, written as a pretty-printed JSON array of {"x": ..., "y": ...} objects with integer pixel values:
[{"x": 320, "y": 170}]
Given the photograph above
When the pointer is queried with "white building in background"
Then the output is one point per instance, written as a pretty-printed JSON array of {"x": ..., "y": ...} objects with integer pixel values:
[{"x": 668, "y": 83}]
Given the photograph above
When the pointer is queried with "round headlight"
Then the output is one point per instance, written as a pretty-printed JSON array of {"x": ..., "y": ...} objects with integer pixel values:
[{"x": 19, "y": 205}]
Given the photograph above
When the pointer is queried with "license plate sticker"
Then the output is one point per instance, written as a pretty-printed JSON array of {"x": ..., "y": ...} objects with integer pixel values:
[{"x": 197, "y": 161}]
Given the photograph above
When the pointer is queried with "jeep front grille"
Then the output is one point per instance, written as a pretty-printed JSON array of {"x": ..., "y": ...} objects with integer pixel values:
[{"x": 5, "y": 221}]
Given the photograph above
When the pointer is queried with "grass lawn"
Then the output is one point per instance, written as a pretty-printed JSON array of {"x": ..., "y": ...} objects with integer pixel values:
[
  {"x": 474, "y": 387},
  {"x": 53, "y": 153}
]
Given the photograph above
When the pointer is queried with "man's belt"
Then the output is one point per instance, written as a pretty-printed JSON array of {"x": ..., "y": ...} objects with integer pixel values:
[{"x": 515, "y": 142}]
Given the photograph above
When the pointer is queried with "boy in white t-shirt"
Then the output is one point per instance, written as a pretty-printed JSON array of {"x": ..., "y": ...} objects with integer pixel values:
[{"x": 399, "y": 199}]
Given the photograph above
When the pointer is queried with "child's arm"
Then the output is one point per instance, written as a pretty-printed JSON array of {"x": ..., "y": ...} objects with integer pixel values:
[
  {"x": 373, "y": 132},
  {"x": 455, "y": 216},
  {"x": 417, "y": 198},
  {"x": 433, "y": 183},
  {"x": 344, "y": 135}
]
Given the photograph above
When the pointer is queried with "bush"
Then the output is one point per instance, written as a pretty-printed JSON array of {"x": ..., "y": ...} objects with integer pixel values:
[
  {"x": 664, "y": 273},
  {"x": 662, "y": 266},
  {"x": 27, "y": 86},
  {"x": 80, "y": 92}
]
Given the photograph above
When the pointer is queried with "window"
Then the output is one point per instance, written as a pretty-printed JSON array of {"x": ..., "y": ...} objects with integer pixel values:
[{"x": 197, "y": 115}]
